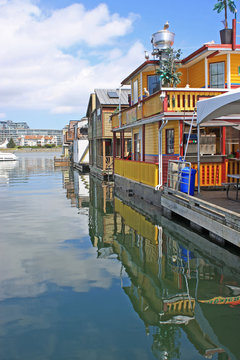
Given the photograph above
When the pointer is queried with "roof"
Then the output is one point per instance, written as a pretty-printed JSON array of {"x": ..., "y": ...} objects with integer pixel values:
[
  {"x": 72, "y": 123},
  {"x": 37, "y": 137},
  {"x": 142, "y": 66},
  {"x": 105, "y": 99},
  {"x": 216, "y": 123},
  {"x": 222, "y": 105},
  {"x": 208, "y": 50}
]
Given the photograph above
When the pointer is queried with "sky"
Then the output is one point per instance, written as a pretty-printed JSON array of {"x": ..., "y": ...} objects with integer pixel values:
[{"x": 55, "y": 53}]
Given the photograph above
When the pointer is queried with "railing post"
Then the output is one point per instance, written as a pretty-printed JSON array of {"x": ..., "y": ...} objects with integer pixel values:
[
  {"x": 104, "y": 155},
  {"x": 198, "y": 147}
]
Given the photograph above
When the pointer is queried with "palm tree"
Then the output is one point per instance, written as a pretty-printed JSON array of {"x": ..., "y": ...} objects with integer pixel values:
[{"x": 225, "y": 4}]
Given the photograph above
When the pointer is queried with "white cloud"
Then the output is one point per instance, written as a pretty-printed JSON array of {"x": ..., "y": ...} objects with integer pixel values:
[{"x": 40, "y": 70}]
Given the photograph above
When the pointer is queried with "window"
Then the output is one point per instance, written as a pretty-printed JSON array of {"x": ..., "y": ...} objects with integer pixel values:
[
  {"x": 137, "y": 147},
  {"x": 112, "y": 94},
  {"x": 135, "y": 92},
  {"x": 153, "y": 84},
  {"x": 170, "y": 141},
  {"x": 217, "y": 75}
]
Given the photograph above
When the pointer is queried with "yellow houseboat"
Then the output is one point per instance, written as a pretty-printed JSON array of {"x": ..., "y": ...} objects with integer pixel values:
[{"x": 156, "y": 124}]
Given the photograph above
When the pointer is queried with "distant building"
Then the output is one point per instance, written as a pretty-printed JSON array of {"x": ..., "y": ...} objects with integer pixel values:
[
  {"x": 13, "y": 125},
  {"x": 15, "y": 130},
  {"x": 68, "y": 137},
  {"x": 37, "y": 140},
  {"x": 80, "y": 144}
]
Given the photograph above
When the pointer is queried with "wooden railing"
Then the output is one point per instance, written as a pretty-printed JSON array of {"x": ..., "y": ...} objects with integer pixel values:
[
  {"x": 210, "y": 174},
  {"x": 105, "y": 163},
  {"x": 108, "y": 163},
  {"x": 233, "y": 168},
  {"x": 145, "y": 173},
  {"x": 178, "y": 100},
  {"x": 186, "y": 100}
]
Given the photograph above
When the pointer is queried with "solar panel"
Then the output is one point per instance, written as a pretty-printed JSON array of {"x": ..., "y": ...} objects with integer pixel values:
[{"x": 112, "y": 94}]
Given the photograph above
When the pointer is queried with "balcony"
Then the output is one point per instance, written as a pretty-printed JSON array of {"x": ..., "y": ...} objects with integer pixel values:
[
  {"x": 105, "y": 163},
  {"x": 176, "y": 100},
  {"x": 69, "y": 136}
]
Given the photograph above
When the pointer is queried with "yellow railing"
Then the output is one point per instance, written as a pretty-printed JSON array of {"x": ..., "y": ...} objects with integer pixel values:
[
  {"x": 210, "y": 174},
  {"x": 115, "y": 121},
  {"x": 142, "y": 172},
  {"x": 152, "y": 105},
  {"x": 179, "y": 100},
  {"x": 233, "y": 168},
  {"x": 187, "y": 100}
]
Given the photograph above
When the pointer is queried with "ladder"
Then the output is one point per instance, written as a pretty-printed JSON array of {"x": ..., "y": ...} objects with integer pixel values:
[{"x": 189, "y": 133}]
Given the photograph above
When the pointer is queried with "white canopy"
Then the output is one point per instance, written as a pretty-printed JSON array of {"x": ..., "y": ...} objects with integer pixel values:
[{"x": 217, "y": 106}]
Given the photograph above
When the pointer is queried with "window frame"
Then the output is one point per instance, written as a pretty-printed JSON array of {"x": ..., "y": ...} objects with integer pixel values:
[
  {"x": 148, "y": 78},
  {"x": 211, "y": 75},
  {"x": 171, "y": 144},
  {"x": 135, "y": 92}
]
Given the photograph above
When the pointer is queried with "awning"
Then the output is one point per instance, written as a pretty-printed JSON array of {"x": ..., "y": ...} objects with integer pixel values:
[
  {"x": 216, "y": 123},
  {"x": 217, "y": 106}
]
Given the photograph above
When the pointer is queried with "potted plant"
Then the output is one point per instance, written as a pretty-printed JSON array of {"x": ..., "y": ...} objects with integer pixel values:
[
  {"x": 168, "y": 65},
  {"x": 226, "y": 33}
]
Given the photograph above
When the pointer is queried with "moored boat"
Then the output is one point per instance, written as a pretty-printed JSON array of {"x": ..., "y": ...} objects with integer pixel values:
[{"x": 7, "y": 156}]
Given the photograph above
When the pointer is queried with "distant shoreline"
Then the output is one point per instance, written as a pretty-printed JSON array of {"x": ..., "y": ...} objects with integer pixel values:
[{"x": 32, "y": 150}]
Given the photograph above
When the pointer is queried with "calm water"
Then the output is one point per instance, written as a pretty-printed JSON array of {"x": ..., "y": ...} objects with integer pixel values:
[{"x": 84, "y": 276}]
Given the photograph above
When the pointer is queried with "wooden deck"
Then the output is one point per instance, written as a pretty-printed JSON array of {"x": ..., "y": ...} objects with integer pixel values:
[
  {"x": 219, "y": 198},
  {"x": 211, "y": 211}
]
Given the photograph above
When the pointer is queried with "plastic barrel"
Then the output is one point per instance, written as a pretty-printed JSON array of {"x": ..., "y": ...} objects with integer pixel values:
[{"x": 185, "y": 180}]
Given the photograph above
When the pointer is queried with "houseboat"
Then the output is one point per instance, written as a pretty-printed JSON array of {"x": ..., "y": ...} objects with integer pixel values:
[
  {"x": 156, "y": 126},
  {"x": 102, "y": 104}
]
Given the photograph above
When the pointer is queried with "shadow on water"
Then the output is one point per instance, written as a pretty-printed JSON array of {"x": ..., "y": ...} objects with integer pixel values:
[{"x": 175, "y": 279}]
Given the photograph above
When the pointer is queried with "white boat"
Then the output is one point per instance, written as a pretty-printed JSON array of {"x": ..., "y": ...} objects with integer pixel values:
[{"x": 7, "y": 156}]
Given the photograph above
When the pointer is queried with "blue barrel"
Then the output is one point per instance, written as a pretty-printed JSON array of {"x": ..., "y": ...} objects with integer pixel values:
[{"x": 185, "y": 180}]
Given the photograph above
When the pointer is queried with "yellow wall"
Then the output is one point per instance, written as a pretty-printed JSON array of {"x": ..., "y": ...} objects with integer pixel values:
[
  {"x": 183, "y": 77},
  {"x": 107, "y": 125},
  {"x": 235, "y": 63},
  {"x": 151, "y": 139},
  {"x": 196, "y": 74}
]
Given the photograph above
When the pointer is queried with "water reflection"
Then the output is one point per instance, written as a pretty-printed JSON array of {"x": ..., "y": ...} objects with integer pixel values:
[
  {"x": 77, "y": 188},
  {"x": 83, "y": 275},
  {"x": 166, "y": 271}
]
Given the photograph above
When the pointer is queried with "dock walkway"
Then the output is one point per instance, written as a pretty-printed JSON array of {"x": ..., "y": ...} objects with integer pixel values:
[
  {"x": 211, "y": 211},
  {"x": 219, "y": 198}
]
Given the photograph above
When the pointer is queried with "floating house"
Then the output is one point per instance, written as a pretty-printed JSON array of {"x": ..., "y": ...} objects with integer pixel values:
[
  {"x": 80, "y": 156},
  {"x": 155, "y": 127},
  {"x": 102, "y": 104},
  {"x": 68, "y": 138}
]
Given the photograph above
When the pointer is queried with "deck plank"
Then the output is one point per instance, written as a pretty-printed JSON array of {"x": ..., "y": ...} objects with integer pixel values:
[{"x": 219, "y": 198}]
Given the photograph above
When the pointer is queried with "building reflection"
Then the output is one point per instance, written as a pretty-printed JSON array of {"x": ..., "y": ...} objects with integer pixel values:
[
  {"x": 101, "y": 219},
  {"x": 77, "y": 188},
  {"x": 166, "y": 271}
]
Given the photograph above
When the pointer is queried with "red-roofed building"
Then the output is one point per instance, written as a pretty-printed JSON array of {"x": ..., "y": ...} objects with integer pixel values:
[{"x": 37, "y": 140}]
